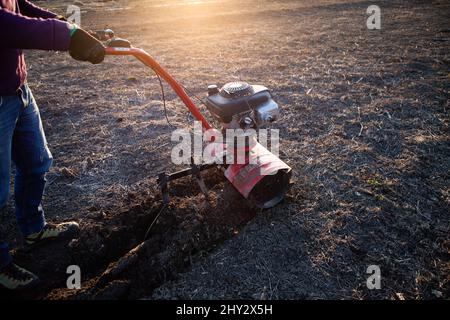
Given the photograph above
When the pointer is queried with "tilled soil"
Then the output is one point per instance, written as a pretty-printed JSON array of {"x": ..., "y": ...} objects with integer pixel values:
[{"x": 116, "y": 261}]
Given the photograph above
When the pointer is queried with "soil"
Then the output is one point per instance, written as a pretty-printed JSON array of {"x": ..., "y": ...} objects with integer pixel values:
[{"x": 364, "y": 127}]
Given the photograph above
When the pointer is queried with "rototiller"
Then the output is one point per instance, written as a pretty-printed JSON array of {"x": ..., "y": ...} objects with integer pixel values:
[{"x": 262, "y": 178}]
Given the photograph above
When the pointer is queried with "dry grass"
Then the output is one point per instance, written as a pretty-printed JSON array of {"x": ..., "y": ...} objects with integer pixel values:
[{"x": 365, "y": 128}]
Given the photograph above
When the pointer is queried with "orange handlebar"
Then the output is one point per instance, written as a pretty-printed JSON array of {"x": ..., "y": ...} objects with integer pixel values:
[{"x": 148, "y": 60}]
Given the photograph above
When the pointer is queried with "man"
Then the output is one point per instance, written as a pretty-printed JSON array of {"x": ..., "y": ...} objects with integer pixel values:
[{"x": 22, "y": 140}]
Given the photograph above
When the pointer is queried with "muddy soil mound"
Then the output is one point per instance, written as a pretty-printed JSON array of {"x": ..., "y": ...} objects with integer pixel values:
[{"x": 114, "y": 261}]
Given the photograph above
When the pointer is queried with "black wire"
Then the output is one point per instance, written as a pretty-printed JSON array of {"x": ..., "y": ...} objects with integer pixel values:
[
  {"x": 190, "y": 93},
  {"x": 202, "y": 101},
  {"x": 193, "y": 95},
  {"x": 147, "y": 234},
  {"x": 163, "y": 99}
]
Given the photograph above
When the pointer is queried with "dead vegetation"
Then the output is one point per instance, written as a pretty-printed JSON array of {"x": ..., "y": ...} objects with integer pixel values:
[{"x": 365, "y": 128}]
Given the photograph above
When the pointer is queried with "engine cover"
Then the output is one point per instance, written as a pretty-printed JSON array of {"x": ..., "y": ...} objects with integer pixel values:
[{"x": 240, "y": 97}]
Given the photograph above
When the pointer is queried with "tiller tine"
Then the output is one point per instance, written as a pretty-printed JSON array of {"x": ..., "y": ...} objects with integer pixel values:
[{"x": 264, "y": 178}]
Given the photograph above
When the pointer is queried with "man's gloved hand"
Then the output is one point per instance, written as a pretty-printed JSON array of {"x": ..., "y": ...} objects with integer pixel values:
[{"x": 84, "y": 47}]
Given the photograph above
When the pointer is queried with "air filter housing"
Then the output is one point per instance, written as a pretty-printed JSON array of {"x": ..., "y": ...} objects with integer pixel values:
[
  {"x": 236, "y": 89},
  {"x": 252, "y": 102}
]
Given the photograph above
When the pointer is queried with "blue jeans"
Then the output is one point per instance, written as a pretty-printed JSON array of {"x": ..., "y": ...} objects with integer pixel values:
[{"x": 22, "y": 140}]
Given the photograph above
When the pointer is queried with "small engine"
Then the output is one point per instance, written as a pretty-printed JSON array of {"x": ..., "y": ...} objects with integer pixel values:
[
  {"x": 241, "y": 105},
  {"x": 263, "y": 177}
]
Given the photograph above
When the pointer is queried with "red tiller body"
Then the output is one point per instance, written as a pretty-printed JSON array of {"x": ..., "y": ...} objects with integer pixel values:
[{"x": 263, "y": 178}]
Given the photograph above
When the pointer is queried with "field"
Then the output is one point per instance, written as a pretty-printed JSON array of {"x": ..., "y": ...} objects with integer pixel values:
[{"x": 364, "y": 127}]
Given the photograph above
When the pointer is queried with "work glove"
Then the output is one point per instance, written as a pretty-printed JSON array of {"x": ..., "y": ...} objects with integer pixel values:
[{"x": 84, "y": 47}]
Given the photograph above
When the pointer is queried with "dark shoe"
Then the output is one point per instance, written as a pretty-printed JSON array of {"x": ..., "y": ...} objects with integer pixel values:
[
  {"x": 13, "y": 277},
  {"x": 52, "y": 231}
]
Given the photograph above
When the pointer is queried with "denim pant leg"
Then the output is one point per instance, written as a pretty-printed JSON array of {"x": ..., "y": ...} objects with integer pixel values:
[
  {"x": 33, "y": 160},
  {"x": 9, "y": 113}
]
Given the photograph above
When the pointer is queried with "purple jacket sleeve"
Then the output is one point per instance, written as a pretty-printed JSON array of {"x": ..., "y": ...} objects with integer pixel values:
[
  {"x": 19, "y": 32},
  {"x": 30, "y": 10}
]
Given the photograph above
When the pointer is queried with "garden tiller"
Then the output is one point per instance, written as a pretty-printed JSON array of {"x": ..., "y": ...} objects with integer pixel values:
[{"x": 262, "y": 177}]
